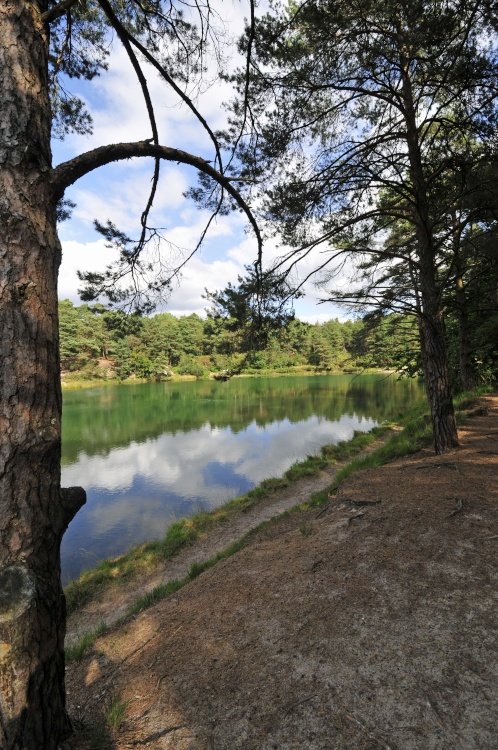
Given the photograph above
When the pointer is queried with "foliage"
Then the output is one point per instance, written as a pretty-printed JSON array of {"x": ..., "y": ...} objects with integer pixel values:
[
  {"x": 260, "y": 303},
  {"x": 388, "y": 341},
  {"x": 97, "y": 343}
]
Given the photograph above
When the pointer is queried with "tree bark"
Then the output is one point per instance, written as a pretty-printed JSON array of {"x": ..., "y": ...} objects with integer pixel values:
[
  {"x": 33, "y": 511},
  {"x": 437, "y": 384},
  {"x": 434, "y": 353}
]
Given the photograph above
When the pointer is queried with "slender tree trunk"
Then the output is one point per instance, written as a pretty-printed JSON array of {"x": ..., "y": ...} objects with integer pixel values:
[
  {"x": 434, "y": 351},
  {"x": 435, "y": 357},
  {"x": 467, "y": 370},
  {"x": 437, "y": 384},
  {"x": 431, "y": 322},
  {"x": 34, "y": 512}
]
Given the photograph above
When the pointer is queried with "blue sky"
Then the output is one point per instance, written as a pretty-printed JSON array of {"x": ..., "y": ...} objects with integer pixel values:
[{"x": 119, "y": 191}]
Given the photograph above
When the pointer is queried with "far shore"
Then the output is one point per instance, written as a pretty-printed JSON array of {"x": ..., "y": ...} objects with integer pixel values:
[{"x": 71, "y": 382}]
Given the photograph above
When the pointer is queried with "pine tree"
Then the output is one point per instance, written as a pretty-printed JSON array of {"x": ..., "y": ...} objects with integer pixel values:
[{"x": 359, "y": 114}]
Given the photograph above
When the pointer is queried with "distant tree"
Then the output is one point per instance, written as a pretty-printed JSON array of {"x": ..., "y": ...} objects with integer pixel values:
[
  {"x": 295, "y": 335},
  {"x": 82, "y": 335},
  {"x": 69, "y": 338},
  {"x": 162, "y": 338},
  {"x": 190, "y": 334},
  {"x": 321, "y": 353}
]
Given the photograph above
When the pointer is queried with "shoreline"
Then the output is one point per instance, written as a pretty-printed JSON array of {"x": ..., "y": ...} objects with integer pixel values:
[
  {"x": 187, "y": 531},
  {"x": 159, "y": 567},
  {"x": 310, "y": 621},
  {"x": 82, "y": 383},
  {"x": 338, "y": 460}
]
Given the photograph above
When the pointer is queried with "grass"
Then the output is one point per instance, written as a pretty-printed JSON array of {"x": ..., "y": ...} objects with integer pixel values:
[
  {"x": 77, "y": 382},
  {"x": 97, "y": 733},
  {"x": 114, "y": 715},
  {"x": 151, "y": 597},
  {"x": 77, "y": 651},
  {"x": 165, "y": 589}
]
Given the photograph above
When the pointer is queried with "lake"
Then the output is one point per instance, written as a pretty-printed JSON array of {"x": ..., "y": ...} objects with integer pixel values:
[{"x": 150, "y": 454}]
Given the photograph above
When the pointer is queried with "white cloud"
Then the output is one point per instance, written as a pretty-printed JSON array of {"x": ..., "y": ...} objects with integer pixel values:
[
  {"x": 118, "y": 109},
  {"x": 323, "y": 317},
  {"x": 201, "y": 271},
  {"x": 198, "y": 276},
  {"x": 80, "y": 256},
  {"x": 122, "y": 200}
]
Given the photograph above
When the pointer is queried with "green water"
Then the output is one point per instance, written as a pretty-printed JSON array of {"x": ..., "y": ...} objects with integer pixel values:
[{"x": 151, "y": 453}]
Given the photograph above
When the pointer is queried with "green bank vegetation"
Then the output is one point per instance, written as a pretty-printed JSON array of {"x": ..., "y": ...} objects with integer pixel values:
[{"x": 98, "y": 344}]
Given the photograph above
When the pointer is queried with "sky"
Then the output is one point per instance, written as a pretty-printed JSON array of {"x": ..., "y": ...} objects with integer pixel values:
[{"x": 118, "y": 192}]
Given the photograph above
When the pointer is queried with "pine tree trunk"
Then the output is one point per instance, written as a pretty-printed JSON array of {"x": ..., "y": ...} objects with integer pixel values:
[
  {"x": 434, "y": 355},
  {"x": 437, "y": 384},
  {"x": 34, "y": 512},
  {"x": 431, "y": 323}
]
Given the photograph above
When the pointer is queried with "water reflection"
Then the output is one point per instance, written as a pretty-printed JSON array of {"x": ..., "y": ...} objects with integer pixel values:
[{"x": 148, "y": 455}]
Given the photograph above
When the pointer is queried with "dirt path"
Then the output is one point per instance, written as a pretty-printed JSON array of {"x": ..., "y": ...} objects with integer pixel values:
[
  {"x": 114, "y": 602},
  {"x": 370, "y": 625}
]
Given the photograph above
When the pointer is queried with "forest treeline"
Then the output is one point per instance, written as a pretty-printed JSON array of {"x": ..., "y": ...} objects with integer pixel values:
[{"x": 96, "y": 342}]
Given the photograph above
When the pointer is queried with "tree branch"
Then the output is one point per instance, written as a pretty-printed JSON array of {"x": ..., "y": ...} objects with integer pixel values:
[
  {"x": 176, "y": 88},
  {"x": 72, "y": 499},
  {"x": 70, "y": 171},
  {"x": 123, "y": 36},
  {"x": 58, "y": 10}
]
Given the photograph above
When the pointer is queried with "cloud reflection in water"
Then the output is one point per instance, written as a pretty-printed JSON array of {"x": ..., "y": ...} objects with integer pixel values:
[{"x": 135, "y": 492}]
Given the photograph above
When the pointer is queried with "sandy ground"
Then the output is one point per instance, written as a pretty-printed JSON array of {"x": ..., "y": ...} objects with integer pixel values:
[{"x": 368, "y": 624}]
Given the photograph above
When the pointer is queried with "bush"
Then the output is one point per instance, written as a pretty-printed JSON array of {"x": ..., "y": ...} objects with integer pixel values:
[{"x": 190, "y": 366}]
